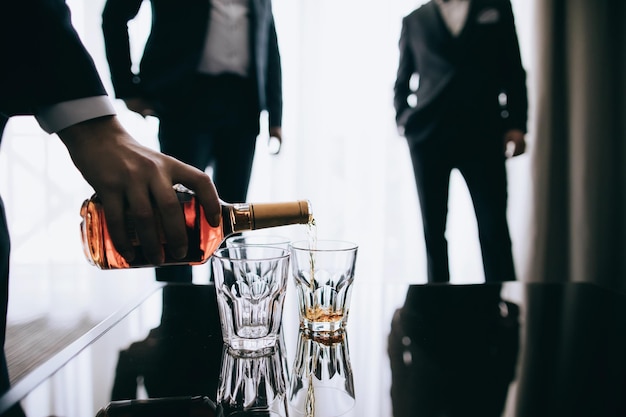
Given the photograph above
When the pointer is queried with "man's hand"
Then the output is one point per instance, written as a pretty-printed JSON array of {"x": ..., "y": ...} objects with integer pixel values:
[
  {"x": 514, "y": 143},
  {"x": 134, "y": 180},
  {"x": 141, "y": 106}
]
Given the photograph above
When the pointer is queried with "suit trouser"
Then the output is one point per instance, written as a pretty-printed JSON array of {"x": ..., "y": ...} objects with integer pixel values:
[
  {"x": 481, "y": 161},
  {"x": 213, "y": 124}
]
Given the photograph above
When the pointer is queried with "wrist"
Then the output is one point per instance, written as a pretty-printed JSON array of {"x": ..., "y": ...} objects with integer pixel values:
[{"x": 90, "y": 132}]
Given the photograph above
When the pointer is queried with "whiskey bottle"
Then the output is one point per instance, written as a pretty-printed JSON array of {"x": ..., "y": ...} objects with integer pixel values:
[{"x": 203, "y": 238}]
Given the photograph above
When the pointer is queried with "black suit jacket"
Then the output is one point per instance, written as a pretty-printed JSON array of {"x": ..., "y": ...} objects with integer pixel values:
[
  {"x": 462, "y": 75},
  {"x": 175, "y": 45},
  {"x": 43, "y": 59}
]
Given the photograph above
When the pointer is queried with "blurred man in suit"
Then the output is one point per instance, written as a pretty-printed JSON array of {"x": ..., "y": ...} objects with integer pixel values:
[
  {"x": 208, "y": 69},
  {"x": 47, "y": 72},
  {"x": 469, "y": 106}
]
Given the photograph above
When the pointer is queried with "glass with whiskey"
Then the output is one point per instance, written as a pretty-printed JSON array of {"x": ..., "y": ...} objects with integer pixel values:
[{"x": 323, "y": 272}]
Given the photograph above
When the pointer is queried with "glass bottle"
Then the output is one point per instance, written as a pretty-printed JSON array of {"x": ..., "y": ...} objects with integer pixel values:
[{"x": 203, "y": 238}]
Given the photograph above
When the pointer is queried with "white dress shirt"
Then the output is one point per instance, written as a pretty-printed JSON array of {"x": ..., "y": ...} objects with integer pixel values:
[
  {"x": 65, "y": 114},
  {"x": 454, "y": 13},
  {"x": 226, "y": 47}
]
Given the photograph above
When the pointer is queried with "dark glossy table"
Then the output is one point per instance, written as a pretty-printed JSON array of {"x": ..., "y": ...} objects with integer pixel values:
[{"x": 510, "y": 349}]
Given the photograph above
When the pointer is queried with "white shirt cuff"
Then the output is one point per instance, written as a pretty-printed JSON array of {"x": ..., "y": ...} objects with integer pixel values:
[{"x": 61, "y": 115}]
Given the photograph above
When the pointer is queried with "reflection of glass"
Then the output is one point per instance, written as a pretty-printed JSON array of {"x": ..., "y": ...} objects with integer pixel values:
[
  {"x": 453, "y": 351},
  {"x": 252, "y": 385},
  {"x": 321, "y": 381},
  {"x": 323, "y": 272},
  {"x": 251, "y": 282}
]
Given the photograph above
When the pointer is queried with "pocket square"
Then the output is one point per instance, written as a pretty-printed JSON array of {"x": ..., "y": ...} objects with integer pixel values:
[{"x": 488, "y": 16}]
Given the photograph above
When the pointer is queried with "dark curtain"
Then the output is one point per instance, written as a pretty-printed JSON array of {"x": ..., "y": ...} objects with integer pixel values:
[{"x": 579, "y": 148}]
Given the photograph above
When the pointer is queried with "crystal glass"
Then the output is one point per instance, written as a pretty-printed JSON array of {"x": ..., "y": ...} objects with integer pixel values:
[
  {"x": 323, "y": 272},
  {"x": 250, "y": 282}
]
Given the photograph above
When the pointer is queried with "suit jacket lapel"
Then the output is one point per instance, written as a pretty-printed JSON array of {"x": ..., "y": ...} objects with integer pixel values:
[
  {"x": 440, "y": 29},
  {"x": 447, "y": 44},
  {"x": 435, "y": 13},
  {"x": 468, "y": 29},
  {"x": 470, "y": 21}
]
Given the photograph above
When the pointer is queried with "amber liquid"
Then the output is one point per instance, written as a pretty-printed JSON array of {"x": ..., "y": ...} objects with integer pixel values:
[
  {"x": 202, "y": 237},
  {"x": 320, "y": 302},
  {"x": 309, "y": 405},
  {"x": 320, "y": 314},
  {"x": 312, "y": 236},
  {"x": 315, "y": 312}
]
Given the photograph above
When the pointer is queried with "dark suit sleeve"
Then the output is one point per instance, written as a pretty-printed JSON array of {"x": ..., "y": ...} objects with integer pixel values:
[
  {"x": 274, "y": 79},
  {"x": 512, "y": 74},
  {"x": 43, "y": 59},
  {"x": 406, "y": 69},
  {"x": 115, "y": 18}
]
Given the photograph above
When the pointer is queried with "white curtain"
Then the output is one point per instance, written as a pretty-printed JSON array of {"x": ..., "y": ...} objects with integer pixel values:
[{"x": 341, "y": 151}]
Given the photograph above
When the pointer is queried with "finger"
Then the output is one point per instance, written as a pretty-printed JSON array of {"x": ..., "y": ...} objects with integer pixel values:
[
  {"x": 141, "y": 213},
  {"x": 114, "y": 213},
  {"x": 172, "y": 219},
  {"x": 205, "y": 190}
]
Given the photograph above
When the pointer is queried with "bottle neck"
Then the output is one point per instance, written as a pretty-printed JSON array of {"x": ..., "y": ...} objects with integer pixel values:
[{"x": 245, "y": 217}]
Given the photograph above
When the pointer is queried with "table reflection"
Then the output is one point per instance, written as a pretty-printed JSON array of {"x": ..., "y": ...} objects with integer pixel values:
[
  {"x": 321, "y": 381},
  {"x": 511, "y": 350},
  {"x": 180, "y": 357},
  {"x": 185, "y": 356},
  {"x": 453, "y": 352},
  {"x": 253, "y": 384}
]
